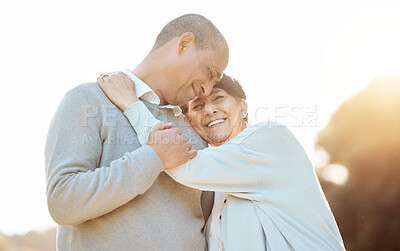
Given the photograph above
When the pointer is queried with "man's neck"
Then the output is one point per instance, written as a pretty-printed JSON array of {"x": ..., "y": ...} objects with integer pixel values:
[{"x": 150, "y": 72}]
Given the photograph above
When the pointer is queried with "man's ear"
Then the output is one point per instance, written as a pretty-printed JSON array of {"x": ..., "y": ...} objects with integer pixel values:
[{"x": 185, "y": 41}]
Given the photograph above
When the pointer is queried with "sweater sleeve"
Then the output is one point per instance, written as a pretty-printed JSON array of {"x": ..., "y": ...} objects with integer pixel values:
[{"x": 78, "y": 189}]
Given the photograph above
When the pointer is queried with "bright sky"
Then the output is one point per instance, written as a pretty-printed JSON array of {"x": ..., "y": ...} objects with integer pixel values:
[{"x": 295, "y": 58}]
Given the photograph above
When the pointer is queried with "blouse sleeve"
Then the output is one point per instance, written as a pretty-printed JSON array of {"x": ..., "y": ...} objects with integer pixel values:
[
  {"x": 141, "y": 119},
  {"x": 227, "y": 168}
]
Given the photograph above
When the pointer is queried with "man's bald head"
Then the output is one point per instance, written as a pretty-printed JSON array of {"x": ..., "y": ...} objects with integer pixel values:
[{"x": 207, "y": 36}]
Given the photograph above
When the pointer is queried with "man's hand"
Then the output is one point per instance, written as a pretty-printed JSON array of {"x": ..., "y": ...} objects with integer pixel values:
[
  {"x": 171, "y": 145},
  {"x": 119, "y": 88}
]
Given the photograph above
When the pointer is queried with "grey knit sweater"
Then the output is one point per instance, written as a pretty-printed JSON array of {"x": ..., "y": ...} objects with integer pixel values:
[{"x": 105, "y": 190}]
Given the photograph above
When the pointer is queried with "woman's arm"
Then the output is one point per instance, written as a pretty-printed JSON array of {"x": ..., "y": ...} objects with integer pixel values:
[
  {"x": 170, "y": 145},
  {"x": 227, "y": 168},
  {"x": 141, "y": 119}
]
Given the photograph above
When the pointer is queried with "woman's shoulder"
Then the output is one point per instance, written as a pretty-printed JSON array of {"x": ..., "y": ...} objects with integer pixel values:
[{"x": 262, "y": 133}]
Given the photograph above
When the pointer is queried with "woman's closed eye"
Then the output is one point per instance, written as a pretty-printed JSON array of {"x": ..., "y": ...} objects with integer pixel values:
[
  {"x": 197, "y": 107},
  {"x": 218, "y": 98}
]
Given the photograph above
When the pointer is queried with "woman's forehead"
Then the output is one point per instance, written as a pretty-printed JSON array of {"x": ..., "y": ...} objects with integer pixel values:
[{"x": 202, "y": 97}]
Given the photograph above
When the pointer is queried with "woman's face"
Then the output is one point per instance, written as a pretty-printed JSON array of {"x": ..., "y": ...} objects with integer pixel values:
[{"x": 218, "y": 117}]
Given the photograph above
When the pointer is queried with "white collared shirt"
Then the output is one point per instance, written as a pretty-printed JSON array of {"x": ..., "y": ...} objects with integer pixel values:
[
  {"x": 213, "y": 228},
  {"x": 144, "y": 92}
]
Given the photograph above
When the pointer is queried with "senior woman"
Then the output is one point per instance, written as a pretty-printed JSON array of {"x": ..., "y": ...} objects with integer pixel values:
[{"x": 267, "y": 193}]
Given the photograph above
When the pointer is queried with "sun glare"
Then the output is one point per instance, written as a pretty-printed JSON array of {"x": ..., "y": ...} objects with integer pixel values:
[{"x": 335, "y": 173}]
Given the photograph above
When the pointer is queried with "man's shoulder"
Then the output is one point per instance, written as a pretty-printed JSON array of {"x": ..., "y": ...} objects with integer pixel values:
[
  {"x": 85, "y": 96},
  {"x": 90, "y": 91}
]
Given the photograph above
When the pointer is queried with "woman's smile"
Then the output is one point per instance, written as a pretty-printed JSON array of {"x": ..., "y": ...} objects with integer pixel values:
[
  {"x": 218, "y": 117},
  {"x": 215, "y": 123}
]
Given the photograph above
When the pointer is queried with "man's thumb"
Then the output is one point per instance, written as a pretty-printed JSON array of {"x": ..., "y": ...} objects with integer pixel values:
[
  {"x": 192, "y": 153},
  {"x": 162, "y": 126}
]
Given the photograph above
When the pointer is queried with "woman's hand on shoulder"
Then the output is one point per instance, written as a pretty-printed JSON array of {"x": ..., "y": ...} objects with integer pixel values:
[{"x": 119, "y": 88}]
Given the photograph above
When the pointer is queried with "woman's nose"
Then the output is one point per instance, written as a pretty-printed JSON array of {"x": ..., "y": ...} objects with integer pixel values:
[{"x": 209, "y": 108}]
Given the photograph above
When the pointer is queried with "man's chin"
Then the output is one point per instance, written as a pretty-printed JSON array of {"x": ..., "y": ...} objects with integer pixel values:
[
  {"x": 181, "y": 103},
  {"x": 175, "y": 102}
]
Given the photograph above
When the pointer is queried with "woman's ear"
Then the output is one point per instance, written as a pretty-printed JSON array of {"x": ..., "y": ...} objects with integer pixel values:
[
  {"x": 185, "y": 41},
  {"x": 243, "y": 108}
]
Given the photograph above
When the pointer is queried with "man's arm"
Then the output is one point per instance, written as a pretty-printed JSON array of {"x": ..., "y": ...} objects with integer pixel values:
[{"x": 77, "y": 188}]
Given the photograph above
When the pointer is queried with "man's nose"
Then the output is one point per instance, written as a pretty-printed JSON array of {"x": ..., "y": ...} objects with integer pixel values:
[{"x": 206, "y": 88}]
